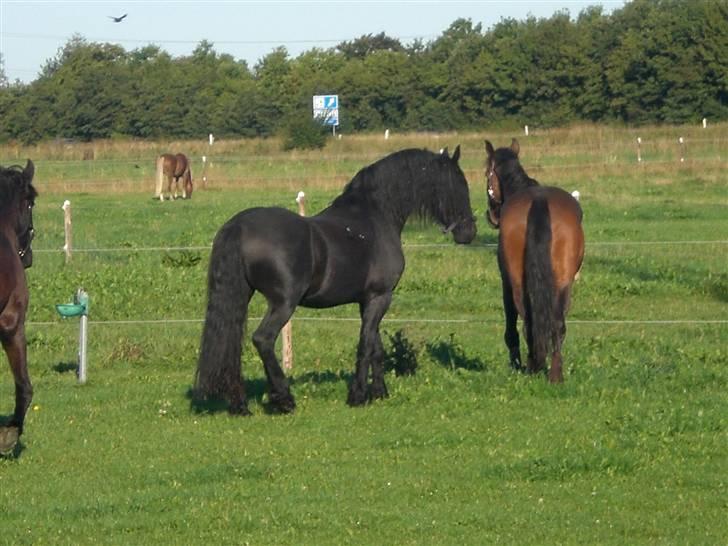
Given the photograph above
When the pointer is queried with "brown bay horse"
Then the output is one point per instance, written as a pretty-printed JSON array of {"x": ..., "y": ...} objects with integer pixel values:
[
  {"x": 540, "y": 251},
  {"x": 173, "y": 167},
  {"x": 17, "y": 197}
]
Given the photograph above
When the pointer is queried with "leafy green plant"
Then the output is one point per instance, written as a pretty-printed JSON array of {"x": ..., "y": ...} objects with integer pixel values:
[
  {"x": 401, "y": 355},
  {"x": 185, "y": 258}
]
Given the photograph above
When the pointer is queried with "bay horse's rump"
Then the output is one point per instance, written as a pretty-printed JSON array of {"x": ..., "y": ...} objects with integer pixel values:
[{"x": 567, "y": 237}]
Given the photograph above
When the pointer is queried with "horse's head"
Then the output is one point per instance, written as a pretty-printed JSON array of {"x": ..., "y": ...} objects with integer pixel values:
[
  {"x": 455, "y": 213},
  {"x": 17, "y": 197},
  {"x": 24, "y": 227},
  {"x": 493, "y": 165}
]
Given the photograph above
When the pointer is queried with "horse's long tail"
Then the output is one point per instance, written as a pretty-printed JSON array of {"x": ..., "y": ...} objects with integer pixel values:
[
  {"x": 539, "y": 289},
  {"x": 160, "y": 177},
  {"x": 228, "y": 294}
]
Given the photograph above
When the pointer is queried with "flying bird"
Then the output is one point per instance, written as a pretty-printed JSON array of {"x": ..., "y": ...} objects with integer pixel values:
[{"x": 118, "y": 19}]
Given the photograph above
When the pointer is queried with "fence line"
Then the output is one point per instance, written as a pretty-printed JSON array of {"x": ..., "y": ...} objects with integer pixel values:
[
  {"x": 626, "y": 144},
  {"x": 666, "y": 322},
  {"x": 328, "y": 177},
  {"x": 405, "y": 245}
]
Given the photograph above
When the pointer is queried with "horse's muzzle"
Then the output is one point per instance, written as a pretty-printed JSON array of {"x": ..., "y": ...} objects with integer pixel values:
[{"x": 463, "y": 232}]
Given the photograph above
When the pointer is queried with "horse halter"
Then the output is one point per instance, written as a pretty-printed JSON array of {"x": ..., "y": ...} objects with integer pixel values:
[
  {"x": 30, "y": 234},
  {"x": 23, "y": 251},
  {"x": 490, "y": 175},
  {"x": 494, "y": 201}
]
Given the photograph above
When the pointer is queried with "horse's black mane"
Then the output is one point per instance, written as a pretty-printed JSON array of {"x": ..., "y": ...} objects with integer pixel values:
[
  {"x": 510, "y": 172},
  {"x": 12, "y": 183},
  {"x": 403, "y": 183}
]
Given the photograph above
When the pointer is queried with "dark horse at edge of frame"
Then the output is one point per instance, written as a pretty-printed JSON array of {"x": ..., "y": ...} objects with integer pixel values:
[
  {"x": 172, "y": 168},
  {"x": 17, "y": 198},
  {"x": 351, "y": 252},
  {"x": 540, "y": 252}
]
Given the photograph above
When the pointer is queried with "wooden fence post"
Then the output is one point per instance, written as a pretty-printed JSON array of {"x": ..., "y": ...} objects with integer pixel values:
[
  {"x": 204, "y": 172},
  {"x": 681, "y": 140},
  {"x": 67, "y": 228},
  {"x": 639, "y": 151},
  {"x": 287, "y": 339}
]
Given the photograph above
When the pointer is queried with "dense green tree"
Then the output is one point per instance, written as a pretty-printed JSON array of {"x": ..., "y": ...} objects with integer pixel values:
[
  {"x": 368, "y": 44},
  {"x": 3, "y": 77},
  {"x": 649, "y": 61}
]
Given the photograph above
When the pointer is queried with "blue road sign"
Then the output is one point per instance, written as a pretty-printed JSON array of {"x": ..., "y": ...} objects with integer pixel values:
[{"x": 326, "y": 108}]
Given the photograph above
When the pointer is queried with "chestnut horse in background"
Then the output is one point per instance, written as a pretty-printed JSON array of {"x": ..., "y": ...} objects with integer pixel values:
[
  {"x": 173, "y": 167},
  {"x": 17, "y": 197},
  {"x": 540, "y": 251}
]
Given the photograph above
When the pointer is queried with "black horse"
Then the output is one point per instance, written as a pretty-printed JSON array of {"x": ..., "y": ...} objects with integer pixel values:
[
  {"x": 349, "y": 253},
  {"x": 17, "y": 197}
]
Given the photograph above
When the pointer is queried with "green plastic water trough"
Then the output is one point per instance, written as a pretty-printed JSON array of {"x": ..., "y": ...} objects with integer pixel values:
[{"x": 70, "y": 309}]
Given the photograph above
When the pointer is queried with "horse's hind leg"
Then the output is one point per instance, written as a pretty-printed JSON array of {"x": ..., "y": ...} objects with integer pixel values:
[
  {"x": 169, "y": 189},
  {"x": 370, "y": 352},
  {"x": 556, "y": 374},
  {"x": 264, "y": 340}
]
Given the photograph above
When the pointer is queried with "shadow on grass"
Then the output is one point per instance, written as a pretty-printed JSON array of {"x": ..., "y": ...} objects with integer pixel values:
[
  {"x": 451, "y": 355},
  {"x": 65, "y": 367},
  {"x": 255, "y": 390}
]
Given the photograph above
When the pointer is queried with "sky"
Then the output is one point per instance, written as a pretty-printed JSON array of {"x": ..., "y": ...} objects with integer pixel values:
[{"x": 31, "y": 31}]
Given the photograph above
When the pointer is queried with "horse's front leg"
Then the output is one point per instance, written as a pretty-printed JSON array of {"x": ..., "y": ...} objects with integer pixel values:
[
  {"x": 370, "y": 352},
  {"x": 15, "y": 348},
  {"x": 511, "y": 315}
]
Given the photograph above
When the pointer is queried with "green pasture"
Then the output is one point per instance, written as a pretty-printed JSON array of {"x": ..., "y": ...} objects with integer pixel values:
[{"x": 631, "y": 449}]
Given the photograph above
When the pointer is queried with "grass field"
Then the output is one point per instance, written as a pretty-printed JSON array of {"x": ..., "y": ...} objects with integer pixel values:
[{"x": 632, "y": 449}]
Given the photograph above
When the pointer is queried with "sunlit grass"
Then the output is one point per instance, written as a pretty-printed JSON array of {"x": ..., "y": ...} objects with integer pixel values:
[{"x": 630, "y": 450}]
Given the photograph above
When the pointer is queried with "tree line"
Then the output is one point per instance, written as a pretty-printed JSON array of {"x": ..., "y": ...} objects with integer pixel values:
[{"x": 651, "y": 61}]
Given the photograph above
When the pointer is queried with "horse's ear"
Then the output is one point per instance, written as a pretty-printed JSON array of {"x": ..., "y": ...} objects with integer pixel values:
[
  {"x": 456, "y": 154},
  {"x": 489, "y": 148},
  {"x": 29, "y": 171},
  {"x": 444, "y": 152},
  {"x": 515, "y": 147}
]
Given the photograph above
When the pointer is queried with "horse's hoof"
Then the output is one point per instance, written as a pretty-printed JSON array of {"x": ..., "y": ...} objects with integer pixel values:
[
  {"x": 356, "y": 398},
  {"x": 555, "y": 378},
  {"x": 240, "y": 409},
  {"x": 378, "y": 392},
  {"x": 8, "y": 439},
  {"x": 284, "y": 403}
]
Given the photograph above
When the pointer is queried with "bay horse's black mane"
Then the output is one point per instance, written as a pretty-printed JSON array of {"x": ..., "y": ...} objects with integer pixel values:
[
  {"x": 12, "y": 185},
  {"x": 510, "y": 169},
  {"x": 404, "y": 183}
]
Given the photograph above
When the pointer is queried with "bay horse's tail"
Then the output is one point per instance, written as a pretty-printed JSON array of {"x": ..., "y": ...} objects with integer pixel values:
[
  {"x": 228, "y": 294},
  {"x": 160, "y": 177},
  {"x": 539, "y": 283}
]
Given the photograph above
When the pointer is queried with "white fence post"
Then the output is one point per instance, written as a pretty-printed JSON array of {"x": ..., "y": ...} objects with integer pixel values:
[
  {"x": 639, "y": 151},
  {"x": 67, "y": 229},
  {"x": 681, "y": 140}
]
